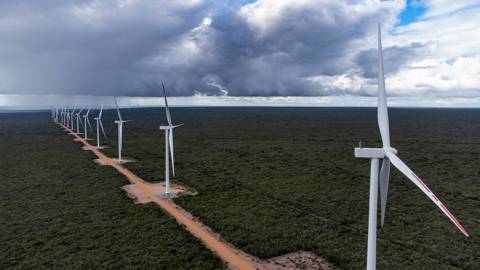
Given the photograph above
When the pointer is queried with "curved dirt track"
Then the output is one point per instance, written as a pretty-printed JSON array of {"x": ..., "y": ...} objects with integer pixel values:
[{"x": 235, "y": 258}]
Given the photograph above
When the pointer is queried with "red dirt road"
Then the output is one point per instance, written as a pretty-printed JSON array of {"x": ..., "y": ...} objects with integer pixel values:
[{"x": 235, "y": 258}]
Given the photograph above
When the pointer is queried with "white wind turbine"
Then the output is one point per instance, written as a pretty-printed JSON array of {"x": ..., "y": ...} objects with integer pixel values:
[
  {"x": 119, "y": 122},
  {"x": 388, "y": 155},
  {"x": 86, "y": 123},
  {"x": 79, "y": 121},
  {"x": 71, "y": 118},
  {"x": 168, "y": 146},
  {"x": 67, "y": 115},
  {"x": 62, "y": 116},
  {"x": 99, "y": 126}
]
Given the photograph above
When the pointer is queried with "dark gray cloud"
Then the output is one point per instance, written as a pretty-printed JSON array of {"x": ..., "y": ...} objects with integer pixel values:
[
  {"x": 268, "y": 48},
  {"x": 393, "y": 57}
]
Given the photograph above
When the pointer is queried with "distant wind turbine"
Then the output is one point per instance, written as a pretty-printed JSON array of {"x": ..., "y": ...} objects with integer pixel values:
[
  {"x": 79, "y": 121},
  {"x": 67, "y": 117},
  {"x": 62, "y": 116},
  {"x": 71, "y": 118},
  {"x": 98, "y": 119},
  {"x": 169, "y": 154},
  {"x": 119, "y": 122},
  {"x": 86, "y": 123}
]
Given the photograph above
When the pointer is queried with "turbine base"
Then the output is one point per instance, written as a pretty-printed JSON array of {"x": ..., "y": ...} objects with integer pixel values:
[{"x": 164, "y": 195}]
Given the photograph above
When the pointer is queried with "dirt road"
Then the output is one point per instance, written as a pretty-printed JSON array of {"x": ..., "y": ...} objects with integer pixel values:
[{"x": 235, "y": 258}]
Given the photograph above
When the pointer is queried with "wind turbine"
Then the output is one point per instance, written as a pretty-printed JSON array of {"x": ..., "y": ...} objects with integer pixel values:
[
  {"x": 99, "y": 125},
  {"x": 87, "y": 121},
  {"x": 388, "y": 155},
  {"x": 71, "y": 118},
  {"x": 119, "y": 122},
  {"x": 67, "y": 115},
  {"x": 168, "y": 146},
  {"x": 79, "y": 121}
]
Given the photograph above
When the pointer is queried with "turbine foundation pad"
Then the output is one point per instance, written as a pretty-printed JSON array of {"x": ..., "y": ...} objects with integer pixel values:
[
  {"x": 142, "y": 195},
  {"x": 297, "y": 260}
]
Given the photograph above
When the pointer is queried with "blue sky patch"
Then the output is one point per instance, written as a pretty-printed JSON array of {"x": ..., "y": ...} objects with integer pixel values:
[{"x": 412, "y": 12}]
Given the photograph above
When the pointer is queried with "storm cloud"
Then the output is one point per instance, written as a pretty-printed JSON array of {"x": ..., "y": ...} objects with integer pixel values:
[
  {"x": 197, "y": 47},
  {"x": 394, "y": 58}
]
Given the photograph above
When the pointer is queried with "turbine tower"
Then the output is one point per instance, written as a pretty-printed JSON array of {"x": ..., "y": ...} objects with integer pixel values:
[
  {"x": 99, "y": 125},
  {"x": 62, "y": 116},
  {"x": 56, "y": 115},
  {"x": 67, "y": 116},
  {"x": 85, "y": 122},
  {"x": 71, "y": 118},
  {"x": 119, "y": 122},
  {"x": 168, "y": 146},
  {"x": 388, "y": 155},
  {"x": 79, "y": 121}
]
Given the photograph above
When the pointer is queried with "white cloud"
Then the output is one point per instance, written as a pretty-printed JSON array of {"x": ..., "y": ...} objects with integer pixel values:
[
  {"x": 450, "y": 65},
  {"x": 438, "y": 77}
]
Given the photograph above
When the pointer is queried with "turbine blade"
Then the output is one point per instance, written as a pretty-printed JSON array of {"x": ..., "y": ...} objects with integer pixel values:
[
  {"x": 103, "y": 130},
  {"x": 382, "y": 110},
  {"x": 88, "y": 122},
  {"x": 384, "y": 178},
  {"x": 167, "y": 110},
  {"x": 100, "y": 114},
  {"x": 118, "y": 110},
  {"x": 170, "y": 143},
  {"x": 419, "y": 183}
]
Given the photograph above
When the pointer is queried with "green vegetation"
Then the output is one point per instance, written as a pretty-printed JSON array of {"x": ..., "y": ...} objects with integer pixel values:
[
  {"x": 270, "y": 180},
  {"x": 277, "y": 180},
  {"x": 61, "y": 211}
]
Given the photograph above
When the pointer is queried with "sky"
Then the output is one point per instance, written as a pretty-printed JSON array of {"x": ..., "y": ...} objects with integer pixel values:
[{"x": 264, "y": 52}]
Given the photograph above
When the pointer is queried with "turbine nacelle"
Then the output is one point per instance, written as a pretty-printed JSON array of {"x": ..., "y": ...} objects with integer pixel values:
[
  {"x": 170, "y": 127},
  {"x": 365, "y": 152},
  {"x": 121, "y": 121}
]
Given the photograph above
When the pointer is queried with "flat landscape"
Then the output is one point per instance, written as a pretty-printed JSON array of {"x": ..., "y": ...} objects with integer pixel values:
[
  {"x": 59, "y": 210},
  {"x": 270, "y": 181}
]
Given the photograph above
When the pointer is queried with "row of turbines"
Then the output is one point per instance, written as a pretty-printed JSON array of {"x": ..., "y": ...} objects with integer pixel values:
[
  {"x": 387, "y": 154},
  {"x": 72, "y": 119}
]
